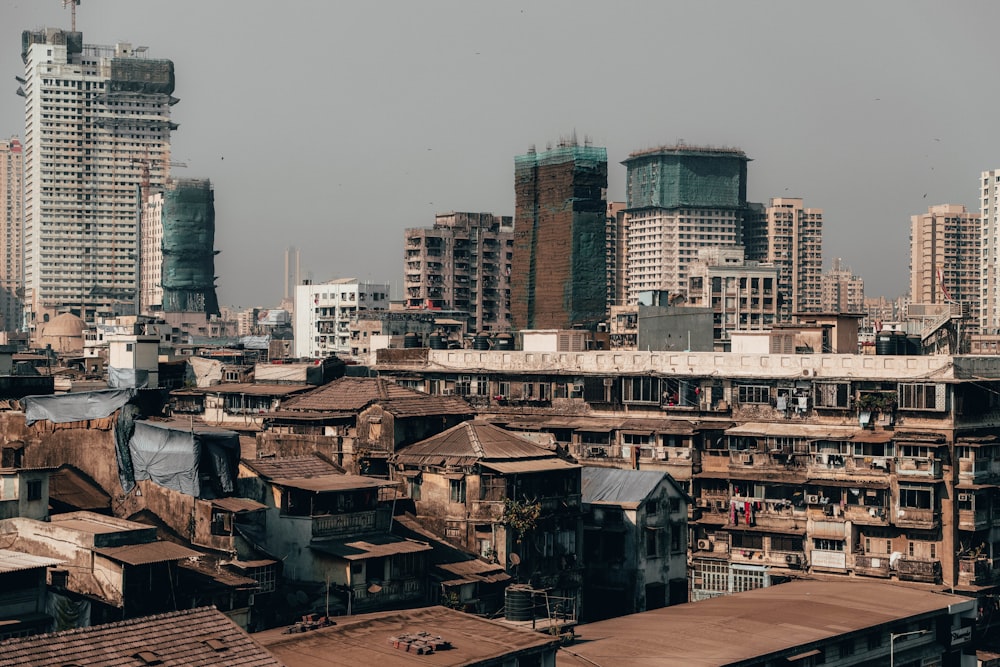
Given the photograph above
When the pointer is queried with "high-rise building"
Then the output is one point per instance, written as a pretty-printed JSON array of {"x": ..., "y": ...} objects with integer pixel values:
[
  {"x": 177, "y": 264},
  {"x": 989, "y": 275},
  {"x": 97, "y": 126},
  {"x": 324, "y": 311},
  {"x": 945, "y": 258},
  {"x": 841, "y": 290},
  {"x": 559, "y": 269},
  {"x": 462, "y": 263},
  {"x": 616, "y": 251},
  {"x": 11, "y": 218},
  {"x": 791, "y": 237},
  {"x": 679, "y": 199}
]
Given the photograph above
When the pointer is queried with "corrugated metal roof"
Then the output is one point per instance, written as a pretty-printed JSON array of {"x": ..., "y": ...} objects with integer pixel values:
[
  {"x": 372, "y": 547},
  {"x": 471, "y": 441},
  {"x": 146, "y": 553},
  {"x": 16, "y": 561},
  {"x": 807, "y": 431},
  {"x": 250, "y": 389},
  {"x": 335, "y": 482},
  {"x": 618, "y": 487},
  {"x": 291, "y": 467},
  {"x": 873, "y": 436},
  {"x": 238, "y": 504},
  {"x": 533, "y": 465},
  {"x": 177, "y": 639},
  {"x": 351, "y": 395},
  {"x": 69, "y": 487}
]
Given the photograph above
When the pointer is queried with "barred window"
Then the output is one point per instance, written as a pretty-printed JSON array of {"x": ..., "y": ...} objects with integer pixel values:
[{"x": 752, "y": 393}]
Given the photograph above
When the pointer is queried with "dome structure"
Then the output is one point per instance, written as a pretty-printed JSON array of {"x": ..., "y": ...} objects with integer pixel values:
[{"x": 64, "y": 333}]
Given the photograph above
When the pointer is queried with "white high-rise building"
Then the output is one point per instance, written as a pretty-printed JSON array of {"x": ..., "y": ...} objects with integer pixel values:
[
  {"x": 97, "y": 127},
  {"x": 323, "y": 312},
  {"x": 989, "y": 283}
]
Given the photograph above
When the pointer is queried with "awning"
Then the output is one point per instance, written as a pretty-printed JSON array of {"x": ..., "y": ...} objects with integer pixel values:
[
  {"x": 238, "y": 505},
  {"x": 793, "y": 430},
  {"x": 333, "y": 482},
  {"x": 873, "y": 436},
  {"x": 631, "y": 432},
  {"x": 966, "y": 486},
  {"x": 375, "y": 546},
  {"x": 532, "y": 465},
  {"x": 145, "y": 554}
]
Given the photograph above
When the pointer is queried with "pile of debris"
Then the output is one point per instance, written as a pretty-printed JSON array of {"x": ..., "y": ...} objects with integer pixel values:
[
  {"x": 421, "y": 643},
  {"x": 308, "y": 622}
]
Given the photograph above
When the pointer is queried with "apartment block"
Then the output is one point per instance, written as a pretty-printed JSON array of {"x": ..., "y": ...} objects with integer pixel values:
[
  {"x": 790, "y": 236},
  {"x": 616, "y": 252},
  {"x": 989, "y": 317},
  {"x": 559, "y": 270},
  {"x": 679, "y": 199},
  {"x": 462, "y": 263},
  {"x": 11, "y": 218},
  {"x": 842, "y": 291},
  {"x": 741, "y": 294},
  {"x": 324, "y": 311},
  {"x": 946, "y": 259},
  {"x": 97, "y": 125},
  {"x": 882, "y": 467}
]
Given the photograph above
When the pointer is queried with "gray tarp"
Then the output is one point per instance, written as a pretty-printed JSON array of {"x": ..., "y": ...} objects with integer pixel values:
[
  {"x": 173, "y": 457},
  {"x": 63, "y": 408},
  {"x": 120, "y": 378}
]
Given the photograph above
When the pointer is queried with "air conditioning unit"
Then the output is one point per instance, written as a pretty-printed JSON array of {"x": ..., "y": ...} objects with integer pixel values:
[
  {"x": 793, "y": 559},
  {"x": 701, "y": 502},
  {"x": 704, "y": 545},
  {"x": 963, "y": 497},
  {"x": 746, "y": 459},
  {"x": 576, "y": 388},
  {"x": 609, "y": 382},
  {"x": 812, "y": 499}
]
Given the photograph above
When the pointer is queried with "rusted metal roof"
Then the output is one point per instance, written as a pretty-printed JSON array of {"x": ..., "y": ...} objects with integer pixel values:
[
  {"x": 351, "y": 395},
  {"x": 374, "y": 546},
  {"x": 291, "y": 467},
  {"x": 532, "y": 465},
  {"x": 335, "y": 482},
  {"x": 71, "y": 488},
  {"x": 203, "y": 637},
  {"x": 238, "y": 504},
  {"x": 16, "y": 561},
  {"x": 469, "y": 442},
  {"x": 147, "y": 553},
  {"x": 221, "y": 576}
]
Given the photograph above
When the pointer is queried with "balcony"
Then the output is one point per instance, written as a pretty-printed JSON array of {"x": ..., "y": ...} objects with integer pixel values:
[
  {"x": 909, "y": 517},
  {"x": 337, "y": 525},
  {"x": 974, "y": 572},
  {"x": 978, "y": 471},
  {"x": 370, "y": 596},
  {"x": 872, "y": 566},
  {"x": 969, "y": 519},
  {"x": 918, "y": 467},
  {"x": 928, "y": 571},
  {"x": 868, "y": 515}
]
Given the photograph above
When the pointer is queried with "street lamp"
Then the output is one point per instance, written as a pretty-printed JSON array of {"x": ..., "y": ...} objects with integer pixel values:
[{"x": 893, "y": 636}]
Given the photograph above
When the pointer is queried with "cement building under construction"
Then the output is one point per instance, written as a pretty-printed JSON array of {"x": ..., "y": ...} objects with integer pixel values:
[
  {"x": 178, "y": 255},
  {"x": 558, "y": 273}
]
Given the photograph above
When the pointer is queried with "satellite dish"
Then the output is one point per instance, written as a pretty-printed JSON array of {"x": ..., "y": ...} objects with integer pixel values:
[{"x": 515, "y": 559}]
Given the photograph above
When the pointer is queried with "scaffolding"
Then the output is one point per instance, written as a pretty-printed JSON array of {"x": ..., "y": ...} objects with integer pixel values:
[{"x": 188, "y": 269}]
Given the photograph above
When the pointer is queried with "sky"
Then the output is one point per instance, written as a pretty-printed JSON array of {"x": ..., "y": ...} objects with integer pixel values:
[{"x": 334, "y": 126}]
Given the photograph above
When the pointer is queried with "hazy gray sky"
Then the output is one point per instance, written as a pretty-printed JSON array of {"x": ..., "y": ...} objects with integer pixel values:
[{"x": 334, "y": 126}]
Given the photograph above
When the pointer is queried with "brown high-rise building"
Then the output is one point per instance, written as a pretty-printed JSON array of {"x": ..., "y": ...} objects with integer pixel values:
[
  {"x": 11, "y": 214},
  {"x": 559, "y": 268},
  {"x": 462, "y": 263},
  {"x": 945, "y": 258}
]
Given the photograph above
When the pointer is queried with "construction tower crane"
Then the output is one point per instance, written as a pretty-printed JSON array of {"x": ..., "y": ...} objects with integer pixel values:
[{"x": 72, "y": 5}]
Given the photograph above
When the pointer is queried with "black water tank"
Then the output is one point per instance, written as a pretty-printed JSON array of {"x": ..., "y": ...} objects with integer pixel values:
[
  {"x": 504, "y": 342},
  {"x": 411, "y": 340},
  {"x": 480, "y": 341},
  {"x": 437, "y": 341},
  {"x": 890, "y": 342},
  {"x": 517, "y": 603}
]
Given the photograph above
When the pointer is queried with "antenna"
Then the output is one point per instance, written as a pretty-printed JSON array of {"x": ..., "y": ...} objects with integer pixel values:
[{"x": 72, "y": 8}]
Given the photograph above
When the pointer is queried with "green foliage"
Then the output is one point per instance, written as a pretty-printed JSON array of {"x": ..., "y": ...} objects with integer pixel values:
[
  {"x": 877, "y": 401},
  {"x": 521, "y": 516}
]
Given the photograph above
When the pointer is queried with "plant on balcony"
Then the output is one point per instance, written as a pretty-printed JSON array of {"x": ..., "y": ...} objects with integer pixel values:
[
  {"x": 877, "y": 401},
  {"x": 521, "y": 516}
]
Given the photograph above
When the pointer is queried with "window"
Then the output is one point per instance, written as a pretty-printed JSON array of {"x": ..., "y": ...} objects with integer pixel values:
[
  {"x": 415, "y": 488},
  {"x": 749, "y": 393},
  {"x": 652, "y": 543},
  {"x": 652, "y": 506},
  {"x": 921, "y": 397},
  {"x": 35, "y": 490},
  {"x": 676, "y": 535},
  {"x": 747, "y": 541},
  {"x": 915, "y": 498},
  {"x": 831, "y": 395},
  {"x": 641, "y": 390},
  {"x": 457, "y": 490},
  {"x": 786, "y": 543},
  {"x": 824, "y": 544}
]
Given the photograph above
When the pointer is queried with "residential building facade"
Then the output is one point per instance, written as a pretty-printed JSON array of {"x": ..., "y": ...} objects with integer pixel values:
[
  {"x": 989, "y": 212},
  {"x": 462, "y": 263},
  {"x": 842, "y": 290},
  {"x": 11, "y": 219},
  {"x": 324, "y": 311},
  {"x": 97, "y": 125},
  {"x": 559, "y": 269},
  {"x": 679, "y": 199},
  {"x": 790, "y": 236},
  {"x": 946, "y": 258}
]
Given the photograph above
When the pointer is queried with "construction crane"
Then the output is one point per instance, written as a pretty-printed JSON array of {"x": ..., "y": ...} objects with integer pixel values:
[
  {"x": 72, "y": 5},
  {"x": 146, "y": 163}
]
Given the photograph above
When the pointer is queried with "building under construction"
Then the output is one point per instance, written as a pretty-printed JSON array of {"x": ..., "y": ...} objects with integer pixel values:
[
  {"x": 559, "y": 272},
  {"x": 178, "y": 255}
]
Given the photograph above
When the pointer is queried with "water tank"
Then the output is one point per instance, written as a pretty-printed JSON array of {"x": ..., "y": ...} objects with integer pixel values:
[
  {"x": 504, "y": 342},
  {"x": 411, "y": 340},
  {"x": 890, "y": 342},
  {"x": 517, "y": 603},
  {"x": 480, "y": 341},
  {"x": 437, "y": 341}
]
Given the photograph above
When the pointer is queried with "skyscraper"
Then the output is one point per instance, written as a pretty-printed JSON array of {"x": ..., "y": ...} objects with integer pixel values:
[
  {"x": 679, "y": 199},
  {"x": 989, "y": 276},
  {"x": 559, "y": 271},
  {"x": 11, "y": 211},
  {"x": 945, "y": 258},
  {"x": 842, "y": 290},
  {"x": 97, "y": 126},
  {"x": 462, "y": 263},
  {"x": 791, "y": 236}
]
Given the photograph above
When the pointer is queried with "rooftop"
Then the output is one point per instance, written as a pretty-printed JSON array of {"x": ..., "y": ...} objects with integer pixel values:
[
  {"x": 470, "y": 442},
  {"x": 731, "y": 628},
  {"x": 350, "y": 394},
  {"x": 202, "y": 637},
  {"x": 365, "y": 640}
]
